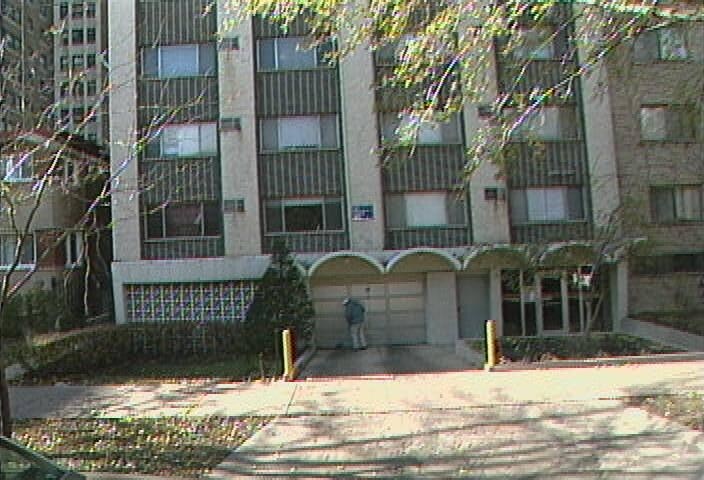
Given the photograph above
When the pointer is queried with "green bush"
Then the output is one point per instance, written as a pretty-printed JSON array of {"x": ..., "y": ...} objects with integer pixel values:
[
  {"x": 533, "y": 349},
  {"x": 37, "y": 311},
  {"x": 108, "y": 345}
]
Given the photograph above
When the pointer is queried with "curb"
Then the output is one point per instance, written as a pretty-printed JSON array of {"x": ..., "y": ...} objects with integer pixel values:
[
  {"x": 302, "y": 361},
  {"x": 599, "y": 362}
]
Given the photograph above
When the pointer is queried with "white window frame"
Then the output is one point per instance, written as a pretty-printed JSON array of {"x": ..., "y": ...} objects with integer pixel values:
[
  {"x": 8, "y": 244},
  {"x": 657, "y": 45},
  {"x": 677, "y": 195},
  {"x": 283, "y": 123},
  {"x": 545, "y": 124},
  {"x": 418, "y": 206},
  {"x": 655, "y": 123},
  {"x": 426, "y": 132},
  {"x": 300, "y": 47},
  {"x": 195, "y": 47},
  {"x": 202, "y": 150},
  {"x": 18, "y": 168},
  {"x": 536, "y": 43},
  {"x": 74, "y": 242},
  {"x": 282, "y": 204},
  {"x": 549, "y": 204}
]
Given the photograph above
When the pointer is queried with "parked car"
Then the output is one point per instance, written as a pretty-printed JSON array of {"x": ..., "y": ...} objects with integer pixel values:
[{"x": 21, "y": 463}]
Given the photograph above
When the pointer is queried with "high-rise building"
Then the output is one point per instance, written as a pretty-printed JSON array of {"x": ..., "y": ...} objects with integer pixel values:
[
  {"x": 80, "y": 60},
  {"x": 224, "y": 142},
  {"x": 26, "y": 64}
]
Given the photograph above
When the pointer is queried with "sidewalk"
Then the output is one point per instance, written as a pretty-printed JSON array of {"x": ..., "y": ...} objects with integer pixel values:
[{"x": 564, "y": 423}]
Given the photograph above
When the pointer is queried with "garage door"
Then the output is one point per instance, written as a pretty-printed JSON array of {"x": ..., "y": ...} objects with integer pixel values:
[{"x": 395, "y": 312}]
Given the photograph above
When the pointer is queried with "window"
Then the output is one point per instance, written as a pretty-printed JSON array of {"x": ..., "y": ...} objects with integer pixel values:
[
  {"x": 63, "y": 10},
  {"x": 77, "y": 61},
  {"x": 300, "y": 132},
  {"x": 546, "y": 204},
  {"x": 185, "y": 140},
  {"x": 290, "y": 53},
  {"x": 64, "y": 37},
  {"x": 668, "y": 44},
  {"x": 667, "y": 123},
  {"x": 64, "y": 89},
  {"x": 63, "y": 63},
  {"x": 74, "y": 249},
  {"x": 77, "y": 10},
  {"x": 8, "y": 247},
  {"x": 424, "y": 209},
  {"x": 77, "y": 36},
  {"x": 90, "y": 35},
  {"x": 91, "y": 88},
  {"x": 78, "y": 114},
  {"x": 535, "y": 44},
  {"x": 304, "y": 215},
  {"x": 395, "y": 128},
  {"x": 90, "y": 60},
  {"x": 179, "y": 61},
  {"x": 90, "y": 10},
  {"x": 547, "y": 123},
  {"x": 16, "y": 168},
  {"x": 183, "y": 220},
  {"x": 676, "y": 203}
]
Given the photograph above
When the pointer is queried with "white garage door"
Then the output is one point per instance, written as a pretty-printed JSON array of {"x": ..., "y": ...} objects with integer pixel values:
[{"x": 395, "y": 312}]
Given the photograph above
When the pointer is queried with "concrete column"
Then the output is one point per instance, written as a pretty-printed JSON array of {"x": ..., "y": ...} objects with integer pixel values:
[
  {"x": 495, "y": 302},
  {"x": 441, "y": 308},
  {"x": 599, "y": 137},
  {"x": 123, "y": 131},
  {"x": 360, "y": 140},
  {"x": 618, "y": 285},
  {"x": 238, "y": 145},
  {"x": 490, "y": 222}
]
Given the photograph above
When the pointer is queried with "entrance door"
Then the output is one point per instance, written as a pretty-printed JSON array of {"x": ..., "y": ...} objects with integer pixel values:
[{"x": 473, "y": 302}]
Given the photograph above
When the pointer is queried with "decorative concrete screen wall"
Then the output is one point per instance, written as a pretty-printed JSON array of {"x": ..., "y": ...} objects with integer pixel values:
[{"x": 216, "y": 301}]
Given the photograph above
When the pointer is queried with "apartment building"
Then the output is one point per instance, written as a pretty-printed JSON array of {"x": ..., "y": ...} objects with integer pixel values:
[
  {"x": 656, "y": 97},
  {"x": 26, "y": 64},
  {"x": 54, "y": 246},
  {"x": 224, "y": 142},
  {"x": 80, "y": 59}
]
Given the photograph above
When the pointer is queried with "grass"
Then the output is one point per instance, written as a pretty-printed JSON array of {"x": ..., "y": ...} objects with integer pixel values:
[
  {"x": 686, "y": 321},
  {"x": 686, "y": 409},
  {"x": 535, "y": 349},
  {"x": 225, "y": 369},
  {"x": 186, "y": 447}
]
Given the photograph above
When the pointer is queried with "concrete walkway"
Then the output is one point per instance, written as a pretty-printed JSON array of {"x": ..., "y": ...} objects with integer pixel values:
[{"x": 568, "y": 423}]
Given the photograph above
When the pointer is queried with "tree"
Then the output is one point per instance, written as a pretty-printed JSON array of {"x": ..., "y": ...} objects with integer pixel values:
[{"x": 282, "y": 302}]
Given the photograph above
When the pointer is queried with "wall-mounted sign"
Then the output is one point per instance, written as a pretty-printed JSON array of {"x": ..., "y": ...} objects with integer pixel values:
[{"x": 362, "y": 213}]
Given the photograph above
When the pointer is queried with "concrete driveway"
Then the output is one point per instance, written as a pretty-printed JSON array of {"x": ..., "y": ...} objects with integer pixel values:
[{"x": 384, "y": 361}]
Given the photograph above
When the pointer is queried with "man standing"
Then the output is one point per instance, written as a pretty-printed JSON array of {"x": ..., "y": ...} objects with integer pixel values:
[{"x": 354, "y": 314}]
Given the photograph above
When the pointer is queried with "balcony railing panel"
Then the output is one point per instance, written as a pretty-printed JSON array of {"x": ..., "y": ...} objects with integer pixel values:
[
  {"x": 439, "y": 237},
  {"x": 174, "y": 248}
]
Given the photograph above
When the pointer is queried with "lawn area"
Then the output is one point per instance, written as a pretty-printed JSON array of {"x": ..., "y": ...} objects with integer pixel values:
[
  {"x": 686, "y": 408},
  {"x": 186, "y": 447},
  {"x": 596, "y": 345},
  {"x": 226, "y": 369}
]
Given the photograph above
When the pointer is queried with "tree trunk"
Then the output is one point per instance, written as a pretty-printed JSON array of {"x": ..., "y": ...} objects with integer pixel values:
[
  {"x": 594, "y": 314},
  {"x": 5, "y": 415}
]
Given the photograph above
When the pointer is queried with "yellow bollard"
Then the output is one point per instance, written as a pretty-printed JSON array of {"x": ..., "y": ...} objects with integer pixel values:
[
  {"x": 490, "y": 342},
  {"x": 289, "y": 372}
]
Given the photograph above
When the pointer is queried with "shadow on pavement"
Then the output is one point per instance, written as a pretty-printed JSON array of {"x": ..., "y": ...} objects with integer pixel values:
[
  {"x": 546, "y": 441},
  {"x": 387, "y": 360}
]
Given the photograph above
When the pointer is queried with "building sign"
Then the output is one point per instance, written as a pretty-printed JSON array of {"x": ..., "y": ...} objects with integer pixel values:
[{"x": 361, "y": 213}]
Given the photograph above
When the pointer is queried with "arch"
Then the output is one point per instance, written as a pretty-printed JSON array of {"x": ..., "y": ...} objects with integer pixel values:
[
  {"x": 446, "y": 256},
  {"x": 572, "y": 253},
  {"x": 500, "y": 255},
  {"x": 373, "y": 262}
]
